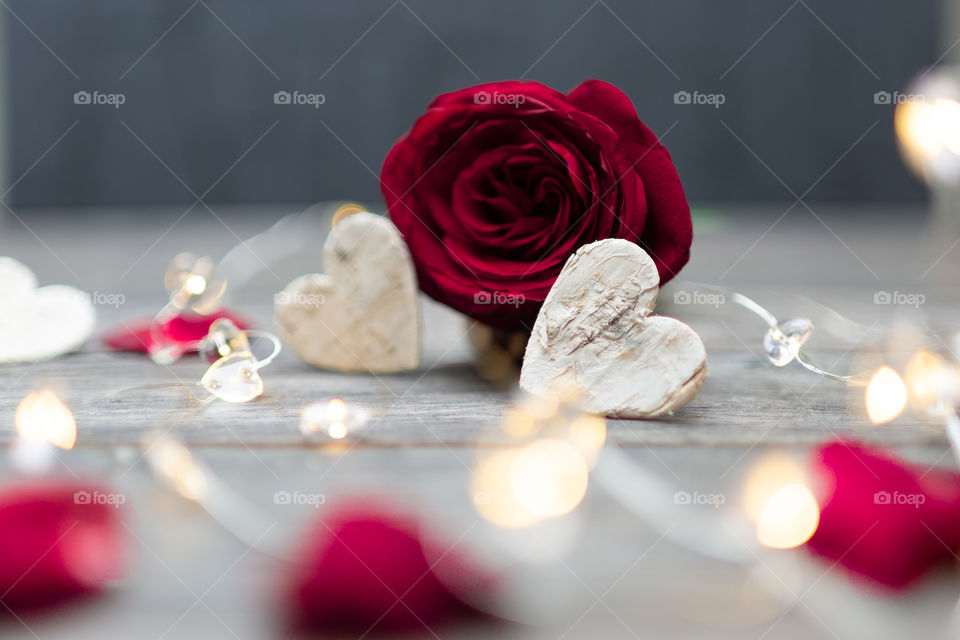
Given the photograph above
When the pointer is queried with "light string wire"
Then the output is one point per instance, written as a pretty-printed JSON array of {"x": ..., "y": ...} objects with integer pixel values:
[{"x": 782, "y": 335}]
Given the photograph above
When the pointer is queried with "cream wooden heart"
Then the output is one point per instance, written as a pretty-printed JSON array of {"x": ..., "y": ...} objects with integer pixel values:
[
  {"x": 40, "y": 323},
  {"x": 363, "y": 313},
  {"x": 594, "y": 337}
]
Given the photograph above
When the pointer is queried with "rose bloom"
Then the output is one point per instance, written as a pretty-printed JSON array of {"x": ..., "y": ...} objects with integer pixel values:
[{"x": 495, "y": 186}]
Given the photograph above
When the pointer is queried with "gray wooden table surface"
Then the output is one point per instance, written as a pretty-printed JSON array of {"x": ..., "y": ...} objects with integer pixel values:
[{"x": 189, "y": 578}]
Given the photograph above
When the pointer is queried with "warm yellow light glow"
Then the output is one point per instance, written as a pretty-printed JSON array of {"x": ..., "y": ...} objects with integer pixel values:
[
  {"x": 191, "y": 483},
  {"x": 542, "y": 408},
  {"x": 549, "y": 477},
  {"x": 344, "y": 210},
  {"x": 336, "y": 410},
  {"x": 886, "y": 396},
  {"x": 195, "y": 284},
  {"x": 927, "y": 130},
  {"x": 493, "y": 495},
  {"x": 933, "y": 384},
  {"x": 42, "y": 417},
  {"x": 519, "y": 423},
  {"x": 176, "y": 462},
  {"x": 789, "y": 518},
  {"x": 588, "y": 433},
  {"x": 768, "y": 475},
  {"x": 929, "y": 125},
  {"x": 337, "y": 430}
]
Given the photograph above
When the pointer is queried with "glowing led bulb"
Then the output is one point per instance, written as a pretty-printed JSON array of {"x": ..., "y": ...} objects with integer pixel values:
[
  {"x": 345, "y": 210},
  {"x": 886, "y": 396},
  {"x": 549, "y": 477},
  {"x": 335, "y": 418},
  {"x": 927, "y": 123},
  {"x": 194, "y": 283},
  {"x": 789, "y": 518},
  {"x": 42, "y": 417},
  {"x": 223, "y": 338},
  {"x": 932, "y": 383}
]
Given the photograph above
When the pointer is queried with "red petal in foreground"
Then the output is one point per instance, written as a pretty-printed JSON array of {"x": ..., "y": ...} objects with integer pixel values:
[
  {"x": 883, "y": 518},
  {"x": 186, "y": 328},
  {"x": 364, "y": 568},
  {"x": 57, "y": 541}
]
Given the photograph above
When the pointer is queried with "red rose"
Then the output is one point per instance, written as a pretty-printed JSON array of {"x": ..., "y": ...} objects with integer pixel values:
[{"x": 495, "y": 186}]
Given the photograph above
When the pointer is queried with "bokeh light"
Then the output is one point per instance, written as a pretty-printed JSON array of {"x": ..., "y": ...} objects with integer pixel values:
[
  {"x": 43, "y": 417},
  {"x": 886, "y": 396}
]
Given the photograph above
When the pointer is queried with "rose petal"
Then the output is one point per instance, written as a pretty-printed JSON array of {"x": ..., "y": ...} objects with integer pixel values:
[
  {"x": 57, "y": 541},
  {"x": 187, "y": 329},
  {"x": 882, "y": 518},
  {"x": 363, "y": 568}
]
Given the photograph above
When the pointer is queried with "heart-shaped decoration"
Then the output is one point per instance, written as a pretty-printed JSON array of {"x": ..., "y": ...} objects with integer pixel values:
[
  {"x": 234, "y": 378},
  {"x": 363, "y": 313},
  {"x": 594, "y": 338},
  {"x": 40, "y": 323}
]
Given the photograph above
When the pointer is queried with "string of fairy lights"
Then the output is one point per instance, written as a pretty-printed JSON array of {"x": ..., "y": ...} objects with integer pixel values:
[{"x": 553, "y": 449}]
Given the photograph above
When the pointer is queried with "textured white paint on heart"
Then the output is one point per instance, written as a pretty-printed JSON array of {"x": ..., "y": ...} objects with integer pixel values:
[
  {"x": 363, "y": 314},
  {"x": 39, "y": 324},
  {"x": 594, "y": 337}
]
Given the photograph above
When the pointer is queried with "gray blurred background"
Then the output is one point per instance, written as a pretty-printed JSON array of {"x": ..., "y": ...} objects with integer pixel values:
[{"x": 798, "y": 80}]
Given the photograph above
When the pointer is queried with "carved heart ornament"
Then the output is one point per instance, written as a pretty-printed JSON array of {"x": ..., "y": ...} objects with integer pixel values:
[
  {"x": 40, "y": 323},
  {"x": 363, "y": 313},
  {"x": 595, "y": 338}
]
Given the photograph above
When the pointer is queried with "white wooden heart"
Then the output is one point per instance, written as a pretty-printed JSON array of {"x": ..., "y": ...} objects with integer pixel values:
[
  {"x": 40, "y": 323},
  {"x": 594, "y": 337},
  {"x": 363, "y": 313}
]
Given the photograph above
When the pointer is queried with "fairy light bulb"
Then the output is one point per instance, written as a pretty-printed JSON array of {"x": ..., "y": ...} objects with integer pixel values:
[
  {"x": 927, "y": 124},
  {"x": 194, "y": 283},
  {"x": 42, "y": 416},
  {"x": 777, "y": 499},
  {"x": 44, "y": 424},
  {"x": 345, "y": 210},
  {"x": 335, "y": 419},
  {"x": 493, "y": 495},
  {"x": 766, "y": 476},
  {"x": 932, "y": 383},
  {"x": 222, "y": 339},
  {"x": 789, "y": 518},
  {"x": 783, "y": 341},
  {"x": 234, "y": 378},
  {"x": 234, "y": 375},
  {"x": 549, "y": 477},
  {"x": 886, "y": 396}
]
